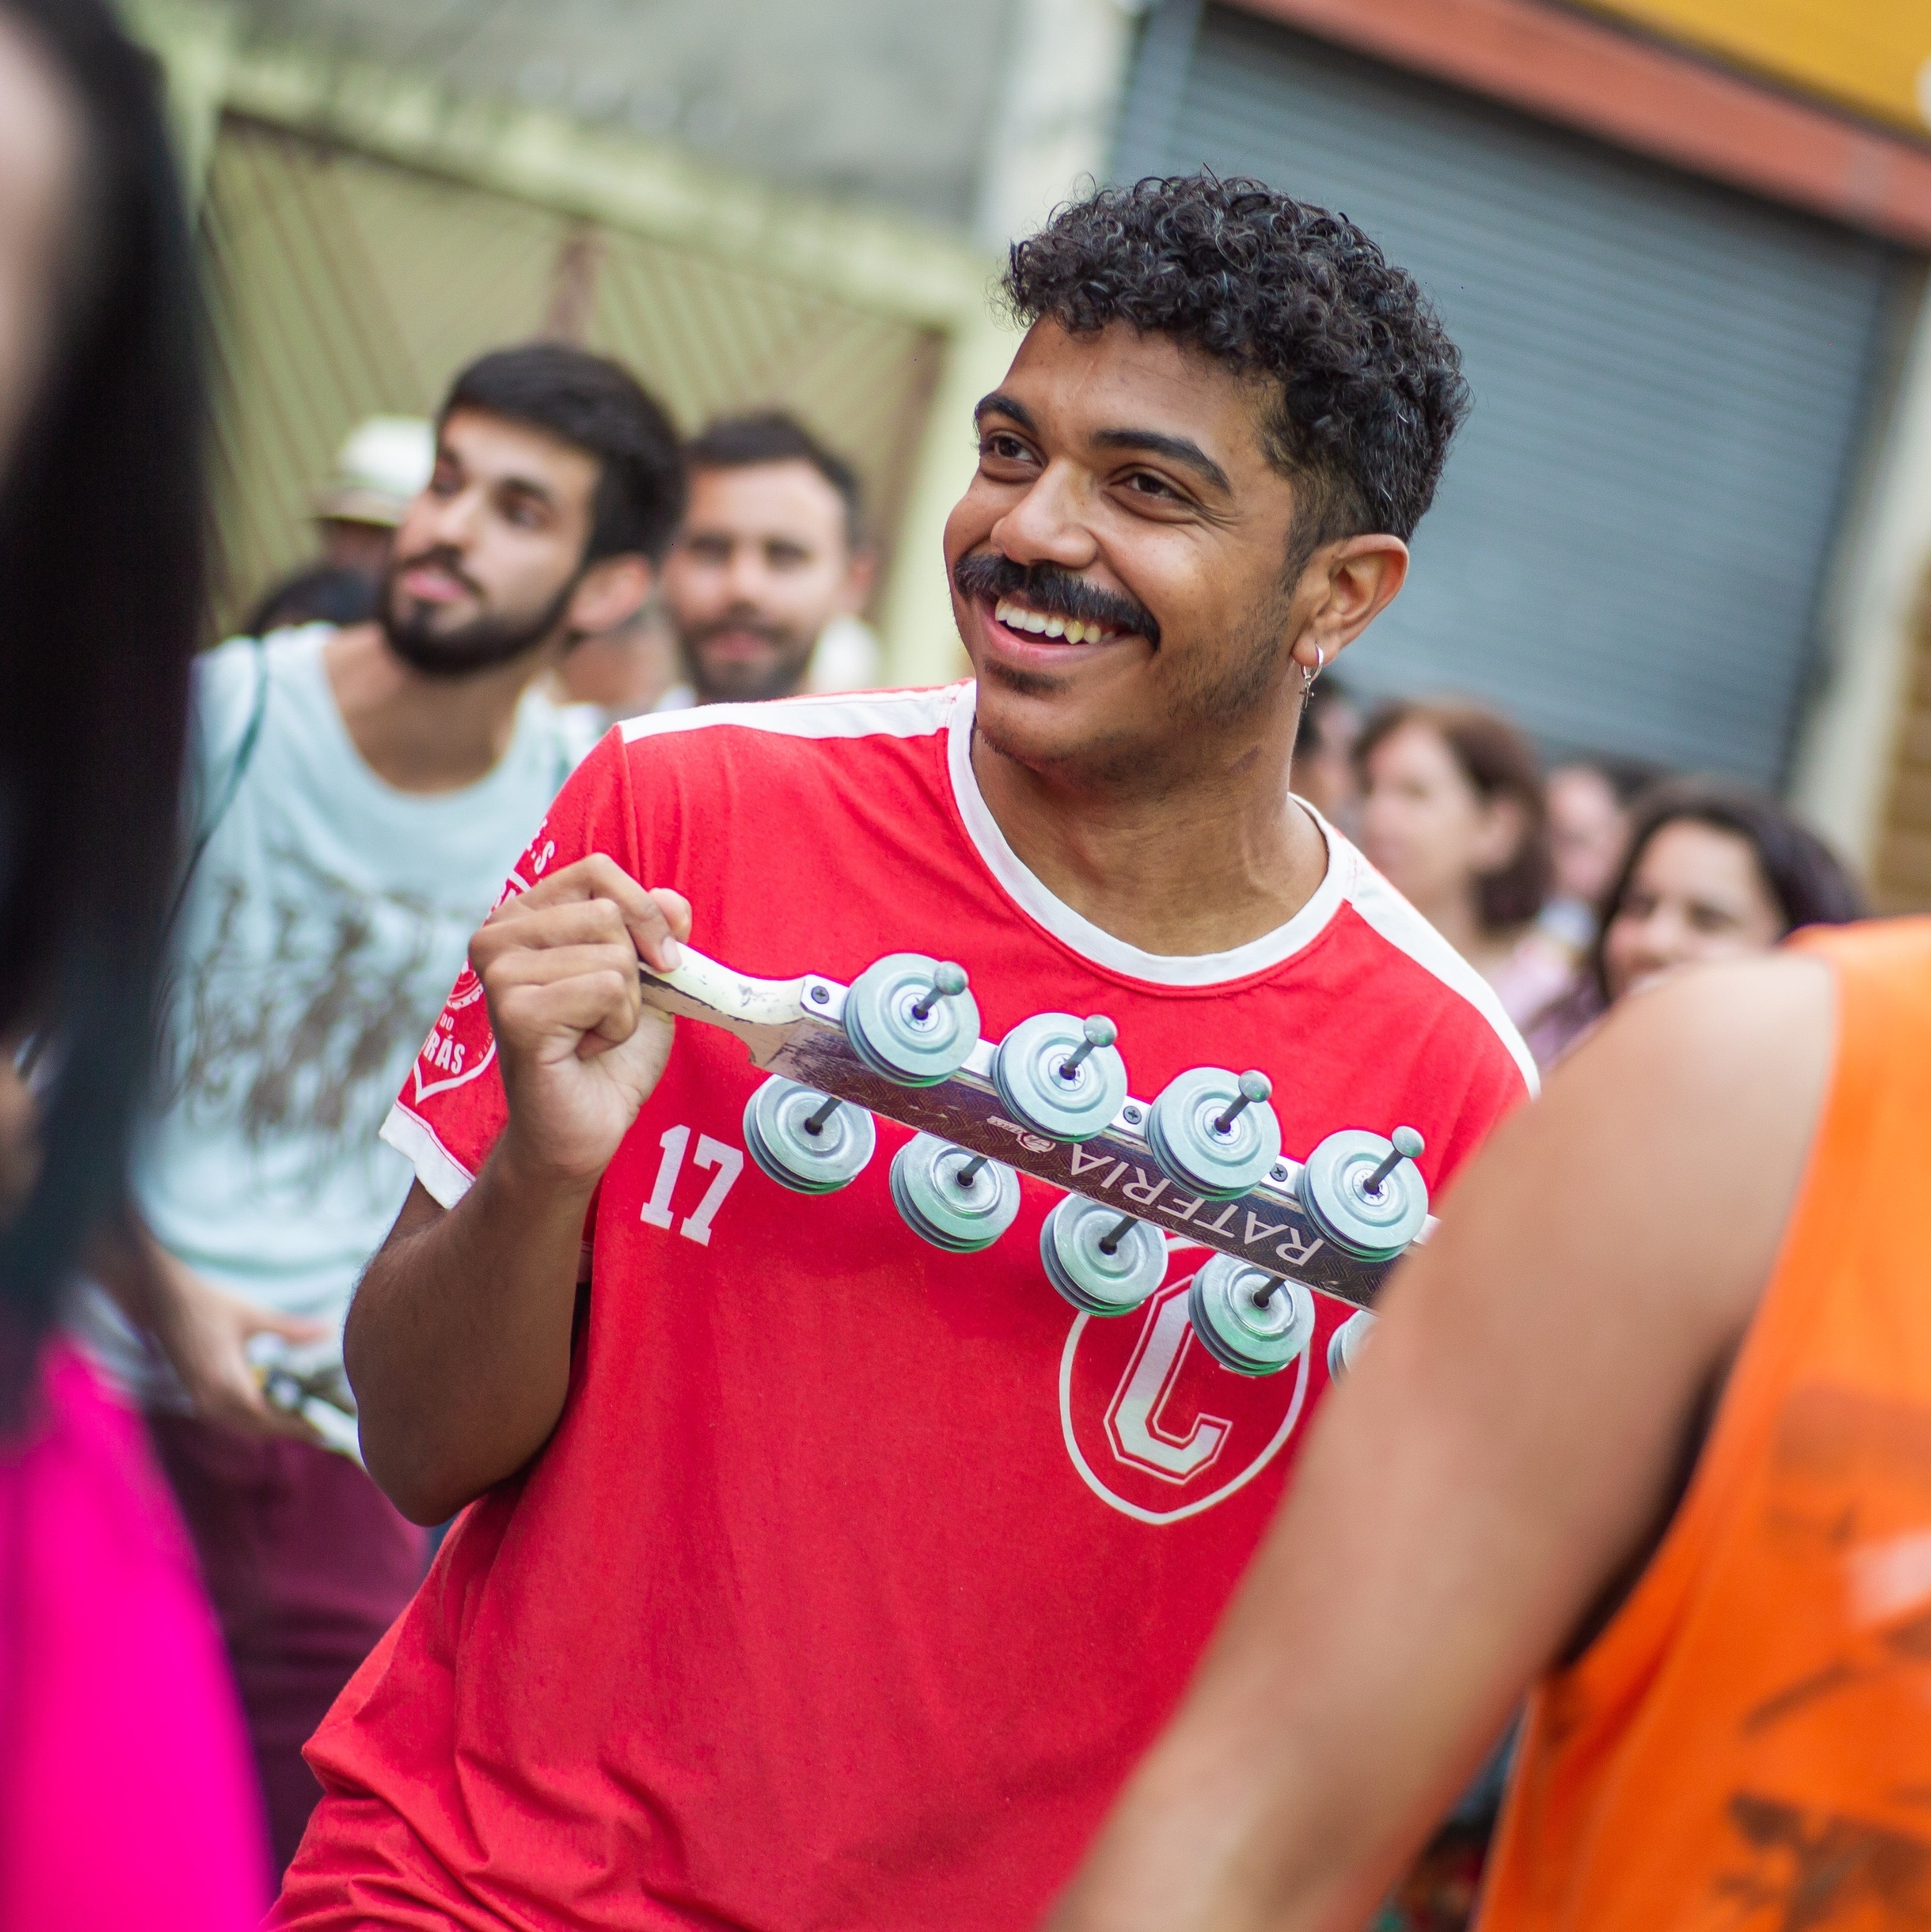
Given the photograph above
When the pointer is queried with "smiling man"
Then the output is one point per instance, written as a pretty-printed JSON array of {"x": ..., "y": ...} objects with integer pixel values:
[
  {"x": 815, "y": 1577},
  {"x": 359, "y": 792}
]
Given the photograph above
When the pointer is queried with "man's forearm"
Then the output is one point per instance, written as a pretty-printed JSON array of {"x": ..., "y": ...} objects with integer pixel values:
[{"x": 458, "y": 1344}]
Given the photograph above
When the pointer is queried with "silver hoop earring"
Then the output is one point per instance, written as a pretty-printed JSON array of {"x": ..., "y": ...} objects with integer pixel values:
[{"x": 1307, "y": 676}]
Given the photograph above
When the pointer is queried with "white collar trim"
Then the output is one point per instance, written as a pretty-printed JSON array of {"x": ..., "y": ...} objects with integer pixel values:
[{"x": 1093, "y": 943}]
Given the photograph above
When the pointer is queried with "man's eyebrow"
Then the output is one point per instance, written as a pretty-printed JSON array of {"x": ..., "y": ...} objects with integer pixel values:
[
  {"x": 528, "y": 486},
  {"x": 999, "y": 404},
  {"x": 1181, "y": 449}
]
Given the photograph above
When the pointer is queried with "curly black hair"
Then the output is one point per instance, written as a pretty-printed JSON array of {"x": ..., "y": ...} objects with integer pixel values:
[{"x": 1368, "y": 388}]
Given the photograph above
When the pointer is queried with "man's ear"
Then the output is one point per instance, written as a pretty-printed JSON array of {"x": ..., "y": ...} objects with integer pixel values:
[
  {"x": 1350, "y": 583},
  {"x": 610, "y": 593},
  {"x": 861, "y": 573}
]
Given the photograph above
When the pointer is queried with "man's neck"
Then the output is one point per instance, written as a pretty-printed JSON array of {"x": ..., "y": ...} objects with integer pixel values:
[
  {"x": 1203, "y": 864},
  {"x": 420, "y": 734}
]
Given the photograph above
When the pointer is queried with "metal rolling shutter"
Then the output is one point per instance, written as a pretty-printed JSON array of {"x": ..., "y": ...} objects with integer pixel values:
[{"x": 1628, "y": 548}]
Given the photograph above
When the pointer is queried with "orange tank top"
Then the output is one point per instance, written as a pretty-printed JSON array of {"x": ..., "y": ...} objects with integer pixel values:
[{"x": 1747, "y": 1746}]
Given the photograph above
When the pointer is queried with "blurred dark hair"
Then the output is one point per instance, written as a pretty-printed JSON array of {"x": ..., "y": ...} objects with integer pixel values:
[
  {"x": 770, "y": 436},
  {"x": 597, "y": 406},
  {"x": 101, "y": 560},
  {"x": 325, "y": 593},
  {"x": 1366, "y": 389},
  {"x": 1811, "y": 885},
  {"x": 1500, "y": 762}
]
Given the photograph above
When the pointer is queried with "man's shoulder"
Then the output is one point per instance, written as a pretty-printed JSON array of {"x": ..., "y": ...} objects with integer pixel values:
[
  {"x": 224, "y": 680},
  {"x": 240, "y": 658},
  {"x": 787, "y": 753},
  {"x": 1438, "y": 987},
  {"x": 841, "y": 717},
  {"x": 229, "y": 677},
  {"x": 229, "y": 688}
]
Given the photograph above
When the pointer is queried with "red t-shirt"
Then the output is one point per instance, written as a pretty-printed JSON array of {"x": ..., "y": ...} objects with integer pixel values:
[{"x": 856, "y": 1574}]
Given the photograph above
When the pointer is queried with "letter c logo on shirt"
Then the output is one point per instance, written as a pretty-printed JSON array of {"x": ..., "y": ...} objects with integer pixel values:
[{"x": 1156, "y": 1429}]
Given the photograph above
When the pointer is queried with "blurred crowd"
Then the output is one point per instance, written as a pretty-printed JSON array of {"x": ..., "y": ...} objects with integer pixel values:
[
  {"x": 346, "y": 835},
  {"x": 1568, "y": 886},
  {"x": 761, "y": 598}
]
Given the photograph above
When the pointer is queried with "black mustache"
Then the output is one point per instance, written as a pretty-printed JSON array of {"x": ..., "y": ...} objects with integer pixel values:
[{"x": 1045, "y": 586}]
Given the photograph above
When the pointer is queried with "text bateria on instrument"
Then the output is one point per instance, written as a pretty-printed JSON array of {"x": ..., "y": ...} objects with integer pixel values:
[{"x": 1203, "y": 1160}]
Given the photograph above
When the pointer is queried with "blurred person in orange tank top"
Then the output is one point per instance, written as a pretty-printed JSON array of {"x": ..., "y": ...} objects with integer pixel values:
[{"x": 1646, "y": 1426}]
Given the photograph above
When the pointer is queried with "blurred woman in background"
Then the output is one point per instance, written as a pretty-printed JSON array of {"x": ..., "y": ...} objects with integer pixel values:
[
  {"x": 1452, "y": 813},
  {"x": 126, "y": 1796},
  {"x": 1588, "y": 802},
  {"x": 1714, "y": 870}
]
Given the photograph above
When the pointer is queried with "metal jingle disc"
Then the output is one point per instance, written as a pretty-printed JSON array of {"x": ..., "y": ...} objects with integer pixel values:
[
  {"x": 1073, "y": 1243},
  {"x": 1218, "y": 1165},
  {"x": 778, "y": 1131},
  {"x": 1345, "y": 1343},
  {"x": 1029, "y": 1071},
  {"x": 941, "y": 1205},
  {"x": 1250, "y": 1337},
  {"x": 1372, "y": 1226},
  {"x": 891, "y": 1035}
]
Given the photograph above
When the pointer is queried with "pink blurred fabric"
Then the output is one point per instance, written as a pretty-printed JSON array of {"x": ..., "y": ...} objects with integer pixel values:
[{"x": 127, "y": 1795}]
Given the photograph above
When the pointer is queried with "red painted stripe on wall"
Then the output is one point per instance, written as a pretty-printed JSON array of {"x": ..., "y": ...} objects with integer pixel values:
[{"x": 1641, "y": 96}]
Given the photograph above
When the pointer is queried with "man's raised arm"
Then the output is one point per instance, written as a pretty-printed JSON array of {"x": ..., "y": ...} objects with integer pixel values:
[
  {"x": 458, "y": 1344},
  {"x": 1511, "y": 1446}
]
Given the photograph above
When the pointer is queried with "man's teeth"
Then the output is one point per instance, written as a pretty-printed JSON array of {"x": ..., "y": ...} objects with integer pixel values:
[{"x": 1073, "y": 629}]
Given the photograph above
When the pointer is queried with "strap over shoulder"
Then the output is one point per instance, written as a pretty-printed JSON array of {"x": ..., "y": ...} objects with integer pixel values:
[{"x": 230, "y": 784}]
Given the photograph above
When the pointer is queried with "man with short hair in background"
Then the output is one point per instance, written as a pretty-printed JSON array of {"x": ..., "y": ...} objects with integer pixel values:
[
  {"x": 769, "y": 557},
  {"x": 359, "y": 794}
]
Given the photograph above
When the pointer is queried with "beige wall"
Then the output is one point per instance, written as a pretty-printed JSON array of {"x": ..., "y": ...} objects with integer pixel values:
[
  {"x": 370, "y": 228},
  {"x": 343, "y": 287}
]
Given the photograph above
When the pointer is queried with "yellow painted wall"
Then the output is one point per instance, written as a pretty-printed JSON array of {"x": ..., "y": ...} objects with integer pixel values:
[{"x": 1873, "y": 56}]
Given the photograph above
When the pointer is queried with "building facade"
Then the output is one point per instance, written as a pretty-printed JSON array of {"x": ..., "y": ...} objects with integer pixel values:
[{"x": 1682, "y": 243}]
